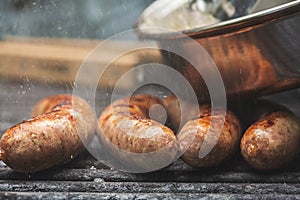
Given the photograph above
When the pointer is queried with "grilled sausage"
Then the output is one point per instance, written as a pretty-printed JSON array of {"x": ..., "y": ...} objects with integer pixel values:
[
  {"x": 273, "y": 140},
  {"x": 179, "y": 112},
  {"x": 141, "y": 144},
  {"x": 221, "y": 131},
  {"x": 51, "y": 137}
]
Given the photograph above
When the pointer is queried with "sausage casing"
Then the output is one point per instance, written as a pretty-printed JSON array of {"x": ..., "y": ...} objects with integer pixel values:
[
  {"x": 140, "y": 143},
  {"x": 52, "y": 137},
  {"x": 179, "y": 112},
  {"x": 272, "y": 141},
  {"x": 221, "y": 131}
]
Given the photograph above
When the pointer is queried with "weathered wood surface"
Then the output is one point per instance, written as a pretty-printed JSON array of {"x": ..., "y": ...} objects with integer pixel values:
[
  {"x": 58, "y": 60},
  {"x": 141, "y": 196},
  {"x": 88, "y": 178}
]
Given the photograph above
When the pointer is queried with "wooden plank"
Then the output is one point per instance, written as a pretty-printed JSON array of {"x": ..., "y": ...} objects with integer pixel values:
[
  {"x": 115, "y": 46},
  {"x": 111, "y": 175},
  {"x": 236, "y": 164},
  {"x": 166, "y": 196},
  {"x": 59, "y": 60},
  {"x": 99, "y": 185},
  {"x": 54, "y": 64}
]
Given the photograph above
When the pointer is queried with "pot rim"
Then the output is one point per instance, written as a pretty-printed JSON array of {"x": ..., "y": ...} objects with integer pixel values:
[{"x": 225, "y": 27}]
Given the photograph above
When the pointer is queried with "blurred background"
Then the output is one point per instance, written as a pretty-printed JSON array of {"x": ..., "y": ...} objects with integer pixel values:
[
  {"x": 69, "y": 18},
  {"x": 44, "y": 43}
]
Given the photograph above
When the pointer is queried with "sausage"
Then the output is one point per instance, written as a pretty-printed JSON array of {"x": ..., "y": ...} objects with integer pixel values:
[
  {"x": 179, "y": 112},
  {"x": 273, "y": 140},
  {"x": 51, "y": 137},
  {"x": 141, "y": 144},
  {"x": 220, "y": 130}
]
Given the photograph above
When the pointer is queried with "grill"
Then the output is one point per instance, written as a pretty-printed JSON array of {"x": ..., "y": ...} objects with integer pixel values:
[
  {"x": 88, "y": 178},
  {"x": 27, "y": 67}
]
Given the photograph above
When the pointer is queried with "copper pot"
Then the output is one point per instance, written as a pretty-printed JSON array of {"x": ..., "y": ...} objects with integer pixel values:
[{"x": 256, "y": 54}]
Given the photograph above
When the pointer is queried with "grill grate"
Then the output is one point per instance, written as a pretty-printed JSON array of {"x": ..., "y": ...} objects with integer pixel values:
[{"x": 86, "y": 177}]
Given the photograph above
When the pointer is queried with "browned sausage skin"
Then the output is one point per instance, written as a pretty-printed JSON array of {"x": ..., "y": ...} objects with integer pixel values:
[
  {"x": 51, "y": 137},
  {"x": 200, "y": 122},
  {"x": 179, "y": 112},
  {"x": 272, "y": 141},
  {"x": 128, "y": 132},
  {"x": 226, "y": 133}
]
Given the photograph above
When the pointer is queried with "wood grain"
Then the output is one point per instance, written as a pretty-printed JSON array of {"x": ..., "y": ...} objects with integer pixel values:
[
  {"x": 58, "y": 60},
  {"x": 83, "y": 195}
]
